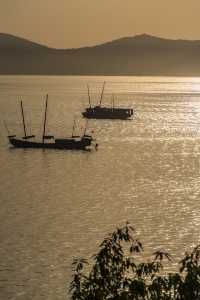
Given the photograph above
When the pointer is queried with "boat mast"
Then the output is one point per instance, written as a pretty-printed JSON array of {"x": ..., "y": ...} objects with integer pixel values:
[
  {"x": 73, "y": 128},
  {"x": 6, "y": 127},
  {"x": 45, "y": 119},
  {"x": 101, "y": 98},
  {"x": 24, "y": 125},
  {"x": 113, "y": 101},
  {"x": 8, "y": 131},
  {"x": 89, "y": 95}
]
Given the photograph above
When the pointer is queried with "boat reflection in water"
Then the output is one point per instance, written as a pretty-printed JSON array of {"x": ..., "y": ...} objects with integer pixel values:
[
  {"x": 82, "y": 142},
  {"x": 106, "y": 112}
]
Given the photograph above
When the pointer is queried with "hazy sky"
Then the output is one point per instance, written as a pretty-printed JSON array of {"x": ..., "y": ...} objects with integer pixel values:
[{"x": 74, "y": 23}]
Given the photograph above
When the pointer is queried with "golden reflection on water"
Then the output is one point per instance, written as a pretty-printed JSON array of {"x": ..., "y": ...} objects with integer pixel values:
[{"x": 56, "y": 205}]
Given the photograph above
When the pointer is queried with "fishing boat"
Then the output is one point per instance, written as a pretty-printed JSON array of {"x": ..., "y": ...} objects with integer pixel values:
[
  {"x": 70, "y": 143},
  {"x": 106, "y": 112}
]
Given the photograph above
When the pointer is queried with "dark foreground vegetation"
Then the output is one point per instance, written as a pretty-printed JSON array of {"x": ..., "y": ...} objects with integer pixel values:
[{"x": 117, "y": 273}]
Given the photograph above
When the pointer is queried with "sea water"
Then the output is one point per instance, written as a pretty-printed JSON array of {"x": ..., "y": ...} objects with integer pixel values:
[{"x": 57, "y": 205}]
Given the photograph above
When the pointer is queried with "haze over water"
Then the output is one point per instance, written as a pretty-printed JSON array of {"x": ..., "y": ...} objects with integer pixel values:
[{"x": 57, "y": 205}]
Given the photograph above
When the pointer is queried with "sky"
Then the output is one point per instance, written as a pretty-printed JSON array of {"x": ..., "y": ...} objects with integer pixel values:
[{"x": 77, "y": 23}]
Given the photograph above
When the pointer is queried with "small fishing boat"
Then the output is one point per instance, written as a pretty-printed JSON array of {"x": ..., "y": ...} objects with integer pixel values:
[
  {"x": 70, "y": 143},
  {"x": 106, "y": 112}
]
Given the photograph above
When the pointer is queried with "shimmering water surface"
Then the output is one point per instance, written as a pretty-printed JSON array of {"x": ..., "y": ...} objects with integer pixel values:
[{"x": 56, "y": 205}]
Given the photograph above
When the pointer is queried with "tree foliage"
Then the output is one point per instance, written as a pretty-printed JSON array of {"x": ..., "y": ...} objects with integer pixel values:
[{"x": 117, "y": 274}]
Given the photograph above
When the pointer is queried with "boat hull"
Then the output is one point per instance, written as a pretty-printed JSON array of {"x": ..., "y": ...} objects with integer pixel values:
[
  {"x": 65, "y": 144},
  {"x": 107, "y": 113},
  {"x": 98, "y": 116}
]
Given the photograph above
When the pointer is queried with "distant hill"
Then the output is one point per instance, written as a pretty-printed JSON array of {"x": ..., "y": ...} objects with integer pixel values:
[{"x": 138, "y": 55}]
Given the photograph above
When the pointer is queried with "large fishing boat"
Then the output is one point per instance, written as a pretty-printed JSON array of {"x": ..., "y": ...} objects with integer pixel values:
[
  {"x": 106, "y": 112},
  {"x": 74, "y": 142}
]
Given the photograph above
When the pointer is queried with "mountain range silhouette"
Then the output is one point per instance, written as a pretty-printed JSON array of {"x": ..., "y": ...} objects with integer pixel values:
[{"x": 138, "y": 55}]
